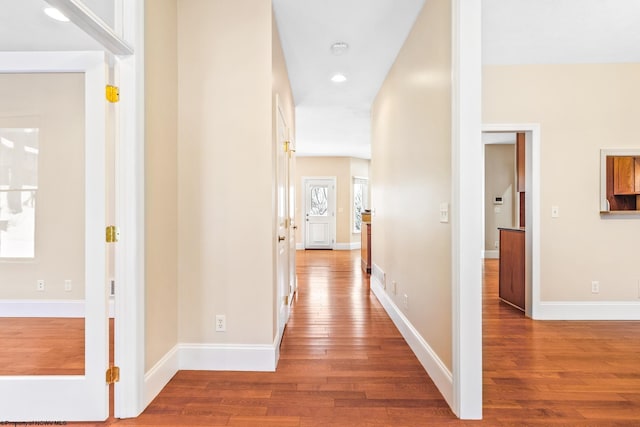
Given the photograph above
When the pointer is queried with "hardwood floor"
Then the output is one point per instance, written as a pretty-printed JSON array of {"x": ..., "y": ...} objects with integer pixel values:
[{"x": 343, "y": 363}]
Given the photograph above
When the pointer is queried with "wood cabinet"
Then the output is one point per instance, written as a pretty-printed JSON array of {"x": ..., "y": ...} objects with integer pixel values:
[
  {"x": 512, "y": 262},
  {"x": 365, "y": 246},
  {"x": 624, "y": 181}
]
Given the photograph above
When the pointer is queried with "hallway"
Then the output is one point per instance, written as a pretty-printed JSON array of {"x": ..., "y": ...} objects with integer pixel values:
[{"x": 343, "y": 363}]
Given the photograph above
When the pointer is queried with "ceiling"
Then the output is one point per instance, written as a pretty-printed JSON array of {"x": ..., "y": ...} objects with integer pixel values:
[
  {"x": 24, "y": 27},
  {"x": 334, "y": 118}
]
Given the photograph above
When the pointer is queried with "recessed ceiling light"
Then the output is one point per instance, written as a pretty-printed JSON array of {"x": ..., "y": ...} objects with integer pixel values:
[
  {"x": 339, "y": 48},
  {"x": 339, "y": 78},
  {"x": 54, "y": 13}
]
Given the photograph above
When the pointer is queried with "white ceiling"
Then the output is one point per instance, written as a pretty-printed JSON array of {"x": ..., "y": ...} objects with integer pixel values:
[
  {"x": 331, "y": 118},
  {"x": 24, "y": 27},
  {"x": 335, "y": 119}
]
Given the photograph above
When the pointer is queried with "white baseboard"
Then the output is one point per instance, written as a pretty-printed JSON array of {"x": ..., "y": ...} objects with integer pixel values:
[
  {"x": 347, "y": 246},
  {"x": 437, "y": 370},
  {"x": 160, "y": 375},
  {"x": 209, "y": 357},
  {"x": 587, "y": 310},
  {"x": 46, "y": 308},
  {"x": 492, "y": 254},
  {"x": 338, "y": 246},
  {"x": 228, "y": 357}
]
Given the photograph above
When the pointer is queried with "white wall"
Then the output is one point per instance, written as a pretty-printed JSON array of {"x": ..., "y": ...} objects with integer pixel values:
[
  {"x": 580, "y": 109},
  {"x": 161, "y": 177},
  {"x": 411, "y": 176},
  {"x": 499, "y": 181},
  {"x": 225, "y": 171}
]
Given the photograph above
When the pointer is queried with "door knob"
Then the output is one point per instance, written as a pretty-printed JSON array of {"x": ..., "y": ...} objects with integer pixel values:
[{"x": 281, "y": 238}]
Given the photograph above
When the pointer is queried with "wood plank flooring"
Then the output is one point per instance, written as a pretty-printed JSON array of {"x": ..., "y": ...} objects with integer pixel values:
[{"x": 343, "y": 363}]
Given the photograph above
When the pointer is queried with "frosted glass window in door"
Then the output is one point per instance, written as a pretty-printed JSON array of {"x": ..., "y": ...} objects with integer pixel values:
[
  {"x": 18, "y": 186},
  {"x": 319, "y": 201}
]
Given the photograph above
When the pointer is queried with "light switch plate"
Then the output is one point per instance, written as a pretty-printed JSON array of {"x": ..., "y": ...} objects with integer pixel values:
[
  {"x": 555, "y": 212},
  {"x": 444, "y": 212}
]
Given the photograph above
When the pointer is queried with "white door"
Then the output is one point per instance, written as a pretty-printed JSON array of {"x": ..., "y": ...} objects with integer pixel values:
[
  {"x": 83, "y": 396},
  {"x": 293, "y": 227},
  {"x": 282, "y": 195},
  {"x": 320, "y": 213}
]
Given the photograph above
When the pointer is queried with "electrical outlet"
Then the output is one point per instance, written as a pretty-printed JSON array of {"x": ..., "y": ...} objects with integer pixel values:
[
  {"x": 40, "y": 285},
  {"x": 394, "y": 287},
  {"x": 496, "y": 244},
  {"x": 595, "y": 287},
  {"x": 221, "y": 323},
  {"x": 555, "y": 212},
  {"x": 384, "y": 281},
  {"x": 406, "y": 301},
  {"x": 67, "y": 285},
  {"x": 638, "y": 288}
]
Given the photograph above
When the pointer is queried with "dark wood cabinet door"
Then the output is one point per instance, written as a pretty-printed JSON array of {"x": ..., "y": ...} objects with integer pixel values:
[
  {"x": 511, "y": 274},
  {"x": 624, "y": 175}
]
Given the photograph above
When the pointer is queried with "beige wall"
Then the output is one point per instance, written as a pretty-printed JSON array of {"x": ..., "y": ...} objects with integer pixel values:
[
  {"x": 225, "y": 171},
  {"x": 500, "y": 172},
  {"x": 54, "y": 103},
  {"x": 344, "y": 169},
  {"x": 411, "y": 176},
  {"x": 580, "y": 109},
  {"x": 161, "y": 177}
]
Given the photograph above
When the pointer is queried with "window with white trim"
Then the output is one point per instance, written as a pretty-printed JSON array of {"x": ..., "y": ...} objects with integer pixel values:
[
  {"x": 360, "y": 201},
  {"x": 18, "y": 186}
]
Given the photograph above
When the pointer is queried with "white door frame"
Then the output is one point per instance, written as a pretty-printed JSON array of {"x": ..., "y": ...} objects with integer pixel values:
[
  {"x": 55, "y": 401},
  {"x": 130, "y": 397},
  {"x": 532, "y": 209},
  {"x": 333, "y": 199},
  {"x": 282, "y": 262}
]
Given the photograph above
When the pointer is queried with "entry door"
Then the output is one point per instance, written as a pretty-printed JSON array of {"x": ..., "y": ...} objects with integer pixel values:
[
  {"x": 320, "y": 215},
  {"x": 83, "y": 396}
]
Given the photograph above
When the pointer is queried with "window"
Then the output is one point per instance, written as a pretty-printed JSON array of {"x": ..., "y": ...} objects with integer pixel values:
[
  {"x": 18, "y": 186},
  {"x": 360, "y": 201}
]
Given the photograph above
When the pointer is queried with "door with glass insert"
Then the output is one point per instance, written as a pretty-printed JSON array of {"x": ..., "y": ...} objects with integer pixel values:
[
  {"x": 53, "y": 295},
  {"x": 320, "y": 216}
]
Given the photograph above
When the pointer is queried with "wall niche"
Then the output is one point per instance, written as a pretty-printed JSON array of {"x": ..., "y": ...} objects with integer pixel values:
[{"x": 620, "y": 181}]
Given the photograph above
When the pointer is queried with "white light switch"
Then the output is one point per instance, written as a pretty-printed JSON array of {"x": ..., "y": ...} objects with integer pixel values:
[
  {"x": 555, "y": 212},
  {"x": 444, "y": 212}
]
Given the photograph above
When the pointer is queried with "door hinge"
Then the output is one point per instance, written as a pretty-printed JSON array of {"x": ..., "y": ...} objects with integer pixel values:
[
  {"x": 113, "y": 374},
  {"x": 286, "y": 146},
  {"x": 112, "y": 234},
  {"x": 286, "y": 300},
  {"x": 113, "y": 93}
]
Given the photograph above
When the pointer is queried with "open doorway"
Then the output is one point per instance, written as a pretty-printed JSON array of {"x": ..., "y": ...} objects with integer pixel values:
[{"x": 530, "y": 201}]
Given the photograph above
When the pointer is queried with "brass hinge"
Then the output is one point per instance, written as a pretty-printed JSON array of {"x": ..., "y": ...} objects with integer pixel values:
[
  {"x": 113, "y": 93},
  {"x": 113, "y": 374},
  {"x": 286, "y": 146},
  {"x": 286, "y": 300},
  {"x": 113, "y": 234}
]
